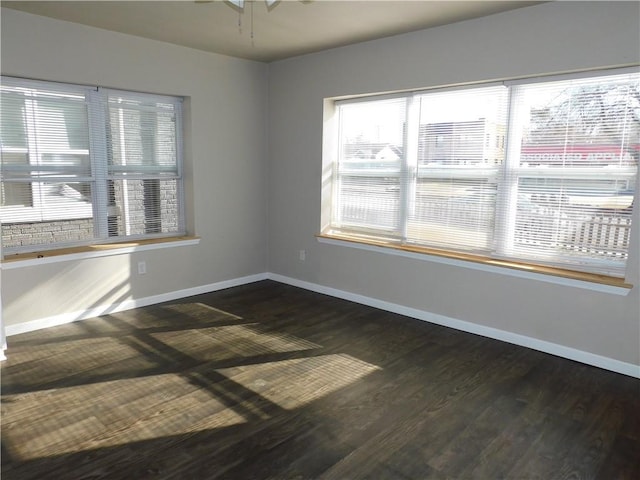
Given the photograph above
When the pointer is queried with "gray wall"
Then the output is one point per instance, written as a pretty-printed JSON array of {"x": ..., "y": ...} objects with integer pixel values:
[
  {"x": 225, "y": 166},
  {"x": 548, "y": 38}
]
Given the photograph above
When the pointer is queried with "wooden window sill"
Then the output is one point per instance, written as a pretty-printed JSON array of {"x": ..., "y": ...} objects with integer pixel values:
[
  {"x": 92, "y": 251},
  {"x": 550, "y": 274}
]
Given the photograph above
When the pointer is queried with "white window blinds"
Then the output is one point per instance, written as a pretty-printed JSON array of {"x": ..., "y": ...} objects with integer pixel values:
[
  {"x": 423, "y": 168},
  {"x": 460, "y": 153},
  {"x": 539, "y": 172},
  {"x": 83, "y": 165},
  {"x": 572, "y": 172},
  {"x": 143, "y": 166},
  {"x": 46, "y": 165},
  {"x": 371, "y": 167}
]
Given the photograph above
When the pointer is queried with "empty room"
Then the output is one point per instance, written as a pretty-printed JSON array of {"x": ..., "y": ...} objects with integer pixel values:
[{"x": 320, "y": 240}]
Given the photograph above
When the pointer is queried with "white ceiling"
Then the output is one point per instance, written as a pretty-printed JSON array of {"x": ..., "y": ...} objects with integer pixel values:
[{"x": 287, "y": 29}]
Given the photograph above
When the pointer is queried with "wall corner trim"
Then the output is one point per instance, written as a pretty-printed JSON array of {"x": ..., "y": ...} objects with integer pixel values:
[
  {"x": 502, "y": 335},
  {"x": 128, "y": 305}
]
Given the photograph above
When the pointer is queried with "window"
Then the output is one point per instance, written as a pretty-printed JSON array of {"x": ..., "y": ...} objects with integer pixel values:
[
  {"x": 536, "y": 172},
  {"x": 84, "y": 165}
]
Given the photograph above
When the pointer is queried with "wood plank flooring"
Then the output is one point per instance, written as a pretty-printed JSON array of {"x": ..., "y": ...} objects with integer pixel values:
[{"x": 267, "y": 381}]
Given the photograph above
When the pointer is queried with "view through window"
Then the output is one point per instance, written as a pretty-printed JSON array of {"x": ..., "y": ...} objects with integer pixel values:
[
  {"x": 82, "y": 165},
  {"x": 541, "y": 172}
]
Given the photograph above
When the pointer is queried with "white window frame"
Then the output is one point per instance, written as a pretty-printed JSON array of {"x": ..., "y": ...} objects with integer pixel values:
[
  {"x": 100, "y": 174},
  {"x": 507, "y": 175}
]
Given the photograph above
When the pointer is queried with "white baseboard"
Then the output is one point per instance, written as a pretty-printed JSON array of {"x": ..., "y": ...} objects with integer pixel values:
[
  {"x": 505, "y": 336},
  {"x": 509, "y": 337},
  {"x": 128, "y": 305}
]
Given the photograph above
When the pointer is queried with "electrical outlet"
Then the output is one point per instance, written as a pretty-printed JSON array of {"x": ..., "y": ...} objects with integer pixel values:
[
  {"x": 302, "y": 255},
  {"x": 142, "y": 268}
]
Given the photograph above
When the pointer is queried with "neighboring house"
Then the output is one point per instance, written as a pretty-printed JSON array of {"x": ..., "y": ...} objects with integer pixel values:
[{"x": 461, "y": 143}]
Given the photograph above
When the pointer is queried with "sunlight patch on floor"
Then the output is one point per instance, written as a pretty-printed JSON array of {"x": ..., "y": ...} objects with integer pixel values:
[
  {"x": 294, "y": 383},
  {"x": 91, "y": 417},
  {"x": 205, "y": 309},
  {"x": 53, "y": 361},
  {"x": 220, "y": 372},
  {"x": 233, "y": 341}
]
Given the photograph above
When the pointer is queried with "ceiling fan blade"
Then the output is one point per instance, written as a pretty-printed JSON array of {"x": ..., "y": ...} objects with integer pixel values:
[{"x": 237, "y": 3}]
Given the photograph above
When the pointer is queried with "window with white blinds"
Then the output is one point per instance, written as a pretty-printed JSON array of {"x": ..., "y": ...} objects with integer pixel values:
[
  {"x": 540, "y": 172},
  {"x": 84, "y": 165}
]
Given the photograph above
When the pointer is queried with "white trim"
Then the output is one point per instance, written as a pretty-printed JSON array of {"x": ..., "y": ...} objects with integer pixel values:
[
  {"x": 567, "y": 282},
  {"x": 70, "y": 317},
  {"x": 107, "y": 252},
  {"x": 502, "y": 335}
]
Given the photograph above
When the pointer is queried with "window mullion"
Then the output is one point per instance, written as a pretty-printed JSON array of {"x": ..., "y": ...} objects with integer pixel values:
[
  {"x": 96, "y": 107},
  {"x": 33, "y": 153},
  {"x": 408, "y": 173},
  {"x": 507, "y": 200},
  {"x": 180, "y": 158},
  {"x": 123, "y": 159}
]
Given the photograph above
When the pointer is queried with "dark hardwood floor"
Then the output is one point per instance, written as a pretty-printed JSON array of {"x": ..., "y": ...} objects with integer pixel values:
[{"x": 267, "y": 381}]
